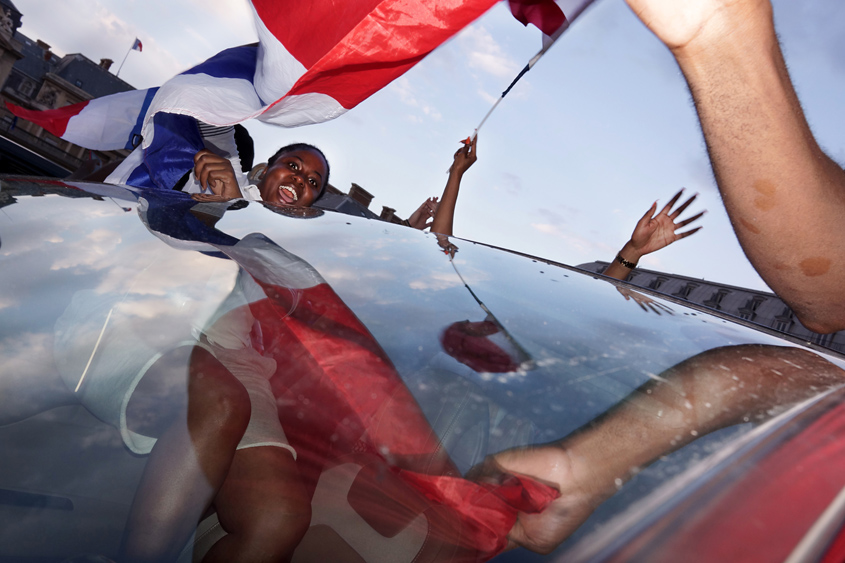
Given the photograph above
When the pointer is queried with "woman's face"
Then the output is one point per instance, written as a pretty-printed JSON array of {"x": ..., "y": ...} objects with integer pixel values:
[{"x": 295, "y": 178}]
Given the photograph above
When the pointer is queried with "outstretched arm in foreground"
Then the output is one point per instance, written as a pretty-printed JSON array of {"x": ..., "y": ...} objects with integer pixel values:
[
  {"x": 652, "y": 233},
  {"x": 785, "y": 197},
  {"x": 464, "y": 158},
  {"x": 712, "y": 390}
]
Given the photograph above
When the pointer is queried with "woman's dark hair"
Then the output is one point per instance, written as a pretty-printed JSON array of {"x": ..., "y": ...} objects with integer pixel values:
[{"x": 302, "y": 147}]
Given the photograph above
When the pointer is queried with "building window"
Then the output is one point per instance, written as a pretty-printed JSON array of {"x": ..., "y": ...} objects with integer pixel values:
[
  {"x": 749, "y": 310},
  {"x": 26, "y": 88},
  {"x": 684, "y": 292},
  {"x": 79, "y": 83},
  {"x": 822, "y": 339},
  {"x": 715, "y": 301},
  {"x": 783, "y": 322},
  {"x": 657, "y": 282}
]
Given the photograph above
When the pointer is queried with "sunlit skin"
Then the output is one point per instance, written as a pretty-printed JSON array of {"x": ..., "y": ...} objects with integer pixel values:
[
  {"x": 295, "y": 178},
  {"x": 782, "y": 193}
]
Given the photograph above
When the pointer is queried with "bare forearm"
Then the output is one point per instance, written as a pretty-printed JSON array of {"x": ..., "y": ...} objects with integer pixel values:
[
  {"x": 785, "y": 197},
  {"x": 617, "y": 269},
  {"x": 445, "y": 214}
]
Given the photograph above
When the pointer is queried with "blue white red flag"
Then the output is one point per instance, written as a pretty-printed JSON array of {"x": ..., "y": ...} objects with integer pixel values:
[
  {"x": 294, "y": 76},
  {"x": 137, "y": 45}
]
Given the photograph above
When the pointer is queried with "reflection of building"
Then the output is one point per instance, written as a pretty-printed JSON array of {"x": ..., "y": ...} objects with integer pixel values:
[
  {"x": 34, "y": 77},
  {"x": 356, "y": 202},
  {"x": 758, "y": 307}
]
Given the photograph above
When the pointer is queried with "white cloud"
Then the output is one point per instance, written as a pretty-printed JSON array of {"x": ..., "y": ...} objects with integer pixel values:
[
  {"x": 437, "y": 281},
  {"x": 489, "y": 98},
  {"x": 90, "y": 251},
  {"x": 485, "y": 54},
  {"x": 575, "y": 243},
  {"x": 402, "y": 87}
]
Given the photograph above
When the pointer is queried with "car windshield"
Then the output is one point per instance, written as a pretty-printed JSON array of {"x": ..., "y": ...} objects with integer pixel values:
[{"x": 396, "y": 368}]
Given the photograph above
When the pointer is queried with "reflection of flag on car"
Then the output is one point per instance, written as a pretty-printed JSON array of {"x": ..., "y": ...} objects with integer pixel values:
[
  {"x": 328, "y": 61},
  {"x": 329, "y": 363},
  {"x": 364, "y": 447}
]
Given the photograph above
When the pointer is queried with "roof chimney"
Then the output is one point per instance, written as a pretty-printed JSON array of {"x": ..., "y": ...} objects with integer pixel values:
[
  {"x": 360, "y": 195},
  {"x": 47, "y": 53},
  {"x": 105, "y": 64}
]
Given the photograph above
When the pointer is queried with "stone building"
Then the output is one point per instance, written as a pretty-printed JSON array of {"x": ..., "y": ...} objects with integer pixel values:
[
  {"x": 34, "y": 77},
  {"x": 758, "y": 307}
]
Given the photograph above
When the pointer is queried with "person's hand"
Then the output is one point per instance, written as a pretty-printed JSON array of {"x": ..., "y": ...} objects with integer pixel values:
[
  {"x": 464, "y": 158},
  {"x": 551, "y": 465},
  {"x": 681, "y": 24},
  {"x": 215, "y": 173},
  {"x": 645, "y": 302},
  {"x": 654, "y": 232},
  {"x": 421, "y": 218}
]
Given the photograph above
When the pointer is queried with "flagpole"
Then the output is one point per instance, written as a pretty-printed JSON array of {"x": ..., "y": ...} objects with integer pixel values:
[
  {"x": 548, "y": 41},
  {"x": 522, "y": 72},
  {"x": 124, "y": 59}
]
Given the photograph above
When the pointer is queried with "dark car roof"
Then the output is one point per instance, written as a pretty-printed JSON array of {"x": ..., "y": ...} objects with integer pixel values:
[{"x": 578, "y": 345}]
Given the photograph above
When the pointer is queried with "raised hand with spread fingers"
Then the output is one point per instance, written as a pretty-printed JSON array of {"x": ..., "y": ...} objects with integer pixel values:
[{"x": 652, "y": 233}]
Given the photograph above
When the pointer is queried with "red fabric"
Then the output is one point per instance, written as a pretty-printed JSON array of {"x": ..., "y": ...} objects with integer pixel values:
[
  {"x": 836, "y": 551},
  {"x": 763, "y": 516},
  {"x": 55, "y": 121},
  {"x": 340, "y": 395},
  {"x": 546, "y": 15},
  {"x": 362, "y": 45},
  {"x": 468, "y": 343}
]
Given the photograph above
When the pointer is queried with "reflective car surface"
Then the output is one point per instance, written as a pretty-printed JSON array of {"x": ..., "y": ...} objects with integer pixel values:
[{"x": 628, "y": 427}]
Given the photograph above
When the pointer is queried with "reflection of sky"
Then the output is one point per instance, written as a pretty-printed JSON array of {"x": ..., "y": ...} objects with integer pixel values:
[{"x": 591, "y": 346}]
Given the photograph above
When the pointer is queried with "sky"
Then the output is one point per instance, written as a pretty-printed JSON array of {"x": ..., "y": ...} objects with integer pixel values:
[{"x": 600, "y": 128}]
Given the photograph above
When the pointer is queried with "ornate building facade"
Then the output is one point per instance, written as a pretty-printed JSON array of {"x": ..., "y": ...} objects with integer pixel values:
[{"x": 757, "y": 307}]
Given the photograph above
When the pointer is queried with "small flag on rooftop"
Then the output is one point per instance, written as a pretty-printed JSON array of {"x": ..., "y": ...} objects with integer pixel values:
[{"x": 136, "y": 46}]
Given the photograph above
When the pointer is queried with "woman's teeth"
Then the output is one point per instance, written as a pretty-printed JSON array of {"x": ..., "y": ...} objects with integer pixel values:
[{"x": 290, "y": 192}]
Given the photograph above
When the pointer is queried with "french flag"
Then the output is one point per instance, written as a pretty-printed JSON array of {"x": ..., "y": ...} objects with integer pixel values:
[{"x": 314, "y": 61}]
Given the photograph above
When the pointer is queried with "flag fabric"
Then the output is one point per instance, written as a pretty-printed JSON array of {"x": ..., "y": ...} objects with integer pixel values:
[
  {"x": 332, "y": 58},
  {"x": 107, "y": 123},
  {"x": 137, "y": 46},
  {"x": 552, "y": 17}
]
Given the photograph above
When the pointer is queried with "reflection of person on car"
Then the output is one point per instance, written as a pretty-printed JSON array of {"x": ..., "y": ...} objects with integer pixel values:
[
  {"x": 651, "y": 233},
  {"x": 283, "y": 319},
  {"x": 712, "y": 390}
]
